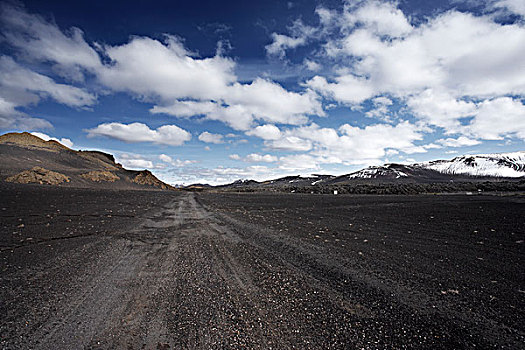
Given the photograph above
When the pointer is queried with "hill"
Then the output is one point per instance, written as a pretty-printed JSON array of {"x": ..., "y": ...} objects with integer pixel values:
[{"x": 26, "y": 158}]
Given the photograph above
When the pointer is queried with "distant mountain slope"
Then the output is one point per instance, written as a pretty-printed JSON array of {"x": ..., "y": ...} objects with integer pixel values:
[
  {"x": 498, "y": 165},
  {"x": 483, "y": 166},
  {"x": 470, "y": 168},
  {"x": 26, "y": 158}
]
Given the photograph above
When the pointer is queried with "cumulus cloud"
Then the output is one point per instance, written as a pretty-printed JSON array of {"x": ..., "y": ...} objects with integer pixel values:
[
  {"x": 290, "y": 143},
  {"x": 513, "y": 6},
  {"x": 265, "y": 132},
  {"x": 458, "y": 142},
  {"x": 350, "y": 144},
  {"x": 162, "y": 72},
  {"x": 170, "y": 135},
  {"x": 65, "y": 141},
  {"x": 499, "y": 118},
  {"x": 175, "y": 162},
  {"x": 451, "y": 66},
  {"x": 150, "y": 68},
  {"x": 441, "y": 109},
  {"x": 299, "y": 162},
  {"x": 283, "y": 42},
  {"x": 255, "y": 158},
  {"x": 301, "y": 33},
  {"x": 135, "y": 161},
  {"x": 258, "y": 158},
  {"x": 242, "y": 104},
  {"x": 380, "y": 110},
  {"x": 379, "y": 17},
  {"x": 211, "y": 138}
]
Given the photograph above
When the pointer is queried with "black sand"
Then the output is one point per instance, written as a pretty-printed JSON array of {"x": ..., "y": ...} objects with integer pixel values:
[{"x": 136, "y": 269}]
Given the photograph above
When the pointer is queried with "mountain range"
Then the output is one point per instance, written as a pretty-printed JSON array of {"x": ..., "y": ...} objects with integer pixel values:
[{"x": 497, "y": 167}]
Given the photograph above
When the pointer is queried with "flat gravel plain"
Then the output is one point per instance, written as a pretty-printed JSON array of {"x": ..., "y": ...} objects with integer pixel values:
[{"x": 93, "y": 269}]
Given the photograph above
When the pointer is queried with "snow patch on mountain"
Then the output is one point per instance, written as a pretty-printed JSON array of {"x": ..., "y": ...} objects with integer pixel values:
[
  {"x": 378, "y": 171},
  {"x": 497, "y": 165}
]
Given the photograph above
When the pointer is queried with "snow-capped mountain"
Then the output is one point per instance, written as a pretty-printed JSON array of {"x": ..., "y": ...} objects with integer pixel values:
[
  {"x": 497, "y": 165},
  {"x": 464, "y": 168},
  {"x": 485, "y": 165},
  {"x": 394, "y": 171}
]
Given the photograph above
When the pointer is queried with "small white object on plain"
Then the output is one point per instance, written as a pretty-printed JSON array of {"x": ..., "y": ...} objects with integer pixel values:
[{"x": 335, "y": 192}]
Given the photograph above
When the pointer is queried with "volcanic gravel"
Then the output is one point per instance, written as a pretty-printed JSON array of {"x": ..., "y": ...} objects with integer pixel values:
[{"x": 99, "y": 269}]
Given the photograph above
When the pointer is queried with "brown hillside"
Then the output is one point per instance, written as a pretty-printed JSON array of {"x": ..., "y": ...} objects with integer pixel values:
[
  {"x": 52, "y": 163},
  {"x": 38, "y": 175},
  {"x": 100, "y": 176},
  {"x": 28, "y": 140}
]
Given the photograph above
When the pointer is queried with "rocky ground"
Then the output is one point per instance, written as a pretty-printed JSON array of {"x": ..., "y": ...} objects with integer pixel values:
[{"x": 103, "y": 269}]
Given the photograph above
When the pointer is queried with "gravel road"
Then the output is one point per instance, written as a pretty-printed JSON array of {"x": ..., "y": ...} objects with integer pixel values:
[{"x": 87, "y": 269}]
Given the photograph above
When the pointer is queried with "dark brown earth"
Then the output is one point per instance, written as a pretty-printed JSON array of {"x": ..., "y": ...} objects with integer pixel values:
[
  {"x": 100, "y": 269},
  {"x": 25, "y": 158}
]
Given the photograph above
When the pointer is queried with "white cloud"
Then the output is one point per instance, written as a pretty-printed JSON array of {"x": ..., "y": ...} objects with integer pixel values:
[
  {"x": 301, "y": 33},
  {"x": 290, "y": 143},
  {"x": 186, "y": 108},
  {"x": 175, "y": 162},
  {"x": 163, "y": 73},
  {"x": 498, "y": 118},
  {"x": 42, "y": 40},
  {"x": 184, "y": 86},
  {"x": 311, "y": 65},
  {"x": 346, "y": 88},
  {"x": 440, "y": 109},
  {"x": 391, "y": 152},
  {"x": 150, "y": 68},
  {"x": 10, "y": 118},
  {"x": 211, "y": 138},
  {"x": 283, "y": 42},
  {"x": 451, "y": 66},
  {"x": 380, "y": 110},
  {"x": 65, "y": 141},
  {"x": 458, "y": 142},
  {"x": 265, "y": 132},
  {"x": 381, "y": 18},
  {"x": 299, "y": 162},
  {"x": 513, "y": 6},
  {"x": 170, "y": 135},
  {"x": 23, "y": 86},
  {"x": 255, "y": 158},
  {"x": 135, "y": 161},
  {"x": 242, "y": 104},
  {"x": 258, "y": 158},
  {"x": 165, "y": 158},
  {"x": 350, "y": 144}
]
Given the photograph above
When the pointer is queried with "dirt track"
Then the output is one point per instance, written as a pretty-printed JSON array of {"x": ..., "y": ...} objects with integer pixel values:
[{"x": 260, "y": 271}]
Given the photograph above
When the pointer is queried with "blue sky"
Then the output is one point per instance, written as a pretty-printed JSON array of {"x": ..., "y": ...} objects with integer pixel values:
[{"x": 210, "y": 91}]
